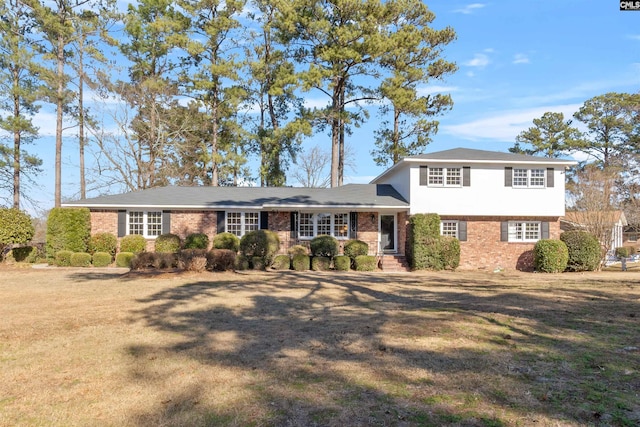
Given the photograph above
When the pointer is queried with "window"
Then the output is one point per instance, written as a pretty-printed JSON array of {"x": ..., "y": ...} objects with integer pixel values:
[
  {"x": 445, "y": 177},
  {"x": 524, "y": 231},
  {"x": 240, "y": 223},
  {"x": 147, "y": 224},
  {"x": 315, "y": 224},
  {"x": 449, "y": 228},
  {"x": 529, "y": 178}
]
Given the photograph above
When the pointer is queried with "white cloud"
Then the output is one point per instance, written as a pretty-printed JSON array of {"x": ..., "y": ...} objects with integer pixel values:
[
  {"x": 520, "y": 58},
  {"x": 428, "y": 90},
  {"x": 634, "y": 36},
  {"x": 504, "y": 125},
  {"x": 470, "y": 8},
  {"x": 480, "y": 60}
]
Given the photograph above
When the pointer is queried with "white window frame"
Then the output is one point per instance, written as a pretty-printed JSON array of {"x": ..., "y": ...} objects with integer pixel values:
[
  {"x": 529, "y": 178},
  {"x": 245, "y": 227},
  {"x": 516, "y": 228},
  {"x": 444, "y": 176},
  {"x": 145, "y": 223},
  {"x": 449, "y": 228},
  {"x": 304, "y": 227}
]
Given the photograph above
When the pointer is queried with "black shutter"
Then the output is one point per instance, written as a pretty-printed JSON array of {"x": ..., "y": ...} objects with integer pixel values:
[
  {"x": 544, "y": 230},
  {"x": 504, "y": 231},
  {"x": 221, "y": 219},
  {"x": 423, "y": 175},
  {"x": 508, "y": 177},
  {"x": 294, "y": 225},
  {"x": 549, "y": 177},
  {"x": 353, "y": 225},
  {"x": 122, "y": 223},
  {"x": 166, "y": 222},
  {"x": 462, "y": 231},
  {"x": 466, "y": 176},
  {"x": 264, "y": 220}
]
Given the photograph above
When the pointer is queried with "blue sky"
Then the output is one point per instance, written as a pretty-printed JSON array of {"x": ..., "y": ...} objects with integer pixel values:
[{"x": 516, "y": 61}]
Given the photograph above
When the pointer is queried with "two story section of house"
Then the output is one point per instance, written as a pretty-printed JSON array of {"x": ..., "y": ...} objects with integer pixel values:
[{"x": 497, "y": 204}]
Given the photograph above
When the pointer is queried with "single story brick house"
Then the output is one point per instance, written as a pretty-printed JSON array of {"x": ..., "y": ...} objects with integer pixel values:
[{"x": 497, "y": 204}]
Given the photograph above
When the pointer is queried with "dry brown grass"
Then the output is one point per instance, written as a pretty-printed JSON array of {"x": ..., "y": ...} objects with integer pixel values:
[{"x": 96, "y": 347}]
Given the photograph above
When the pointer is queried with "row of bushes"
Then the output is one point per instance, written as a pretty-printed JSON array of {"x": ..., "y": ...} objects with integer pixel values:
[
  {"x": 302, "y": 262},
  {"x": 575, "y": 251}
]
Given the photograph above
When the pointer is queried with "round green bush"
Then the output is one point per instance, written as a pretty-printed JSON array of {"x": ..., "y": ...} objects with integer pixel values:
[
  {"x": 301, "y": 262},
  {"x": 324, "y": 245},
  {"x": 221, "y": 260},
  {"x": 80, "y": 259},
  {"x": 298, "y": 250},
  {"x": 15, "y": 228},
  {"x": 281, "y": 262},
  {"x": 354, "y": 248},
  {"x": 260, "y": 243},
  {"x": 123, "y": 259},
  {"x": 23, "y": 254},
  {"x": 585, "y": 252},
  {"x": 226, "y": 241},
  {"x": 257, "y": 263},
  {"x": 550, "y": 256},
  {"x": 103, "y": 242},
  {"x": 168, "y": 243},
  {"x": 102, "y": 259},
  {"x": 196, "y": 241},
  {"x": 366, "y": 263},
  {"x": 342, "y": 263},
  {"x": 320, "y": 263},
  {"x": 63, "y": 258},
  {"x": 241, "y": 262},
  {"x": 134, "y": 243},
  {"x": 625, "y": 251}
]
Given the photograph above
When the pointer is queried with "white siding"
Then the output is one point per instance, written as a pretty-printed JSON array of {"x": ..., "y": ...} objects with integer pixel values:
[
  {"x": 400, "y": 180},
  {"x": 487, "y": 195}
]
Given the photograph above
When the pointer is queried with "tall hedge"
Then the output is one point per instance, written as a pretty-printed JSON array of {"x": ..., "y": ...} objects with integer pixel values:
[
  {"x": 550, "y": 256},
  {"x": 421, "y": 227},
  {"x": 15, "y": 228},
  {"x": 68, "y": 229},
  {"x": 585, "y": 252}
]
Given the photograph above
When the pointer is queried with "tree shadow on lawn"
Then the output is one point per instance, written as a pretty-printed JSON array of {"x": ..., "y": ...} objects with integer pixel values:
[{"x": 328, "y": 349}]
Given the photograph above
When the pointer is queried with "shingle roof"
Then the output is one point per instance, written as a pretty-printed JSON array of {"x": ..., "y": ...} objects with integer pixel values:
[
  {"x": 352, "y": 196},
  {"x": 468, "y": 154}
]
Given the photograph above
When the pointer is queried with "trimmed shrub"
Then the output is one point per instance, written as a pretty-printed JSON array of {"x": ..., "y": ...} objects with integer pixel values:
[
  {"x": 320, "y": 263},
  {"x": 428, "y": 254},
  {"x": 324, "y": 246},
  {"x": 241, "y": 262},
  {"x": 63, "y": 258},
  {"x": 196, "y": 241},
  {"x": 80, "y": 259},
  {"x": 342, "y": 263},
  {"x": 354, "y": 248},
  {"x": 159, "y": 260},
  {"x": 134, "y": 243},
  {"x": 260, "y": 243},
  {"x": 23, "y": 254},
  {"x": 226, "y": 241},
  {"x": 366, "y": 263},
  {"x": 450, "y": 252},
  {"x": 550, "y": 256},
  {"x": 257, "y": 263},
  {"x": 301, "y": 262},
  {"x": 193, "y": 260},
  {"x": 123, "y": 259},
  {"x": 15, "y": 228},
  {"x": 298, "y": 250},
  {"x": 168, "y": 243},
  {"x": 423, "y": 228},
  {"x": 103, "y": 242},
  {"x": 585, "y": 252},
  {"x": 68, "y": 229},
  {"x": 102, "y": 259},
  {"x": 281, "y": 262},
  {"x": 625, "y": 251},
  {"x": 221, "y": 260}
]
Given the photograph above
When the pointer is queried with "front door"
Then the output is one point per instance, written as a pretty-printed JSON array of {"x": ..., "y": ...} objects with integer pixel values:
[{"x": 388, "y": 233}]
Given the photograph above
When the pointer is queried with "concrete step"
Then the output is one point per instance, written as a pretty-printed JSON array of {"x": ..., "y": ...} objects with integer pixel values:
[{"x": 394, "y": 263}]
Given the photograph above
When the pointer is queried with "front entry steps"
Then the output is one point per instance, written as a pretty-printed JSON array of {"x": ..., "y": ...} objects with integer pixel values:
[{"x": 394, "y": 263}]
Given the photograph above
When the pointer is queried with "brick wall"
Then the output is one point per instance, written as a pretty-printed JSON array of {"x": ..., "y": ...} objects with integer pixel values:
[
  {"x": 103, "y": 221},
  {"x": 484, "y": 250},
  {"x": 184, "y": 223},
  {"x": 368, "y": 230}
]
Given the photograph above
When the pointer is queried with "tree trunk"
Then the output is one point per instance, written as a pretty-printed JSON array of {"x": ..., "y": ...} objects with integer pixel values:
[
  {"x": 396, "y": 135},
  {"x": 214, "y": 144},
  {"x": 81, "y": 142},
  {"x": 59, "y": 112},
  {"x": 16, "y": 147}
]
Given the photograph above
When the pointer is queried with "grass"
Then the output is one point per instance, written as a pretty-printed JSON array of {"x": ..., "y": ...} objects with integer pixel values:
[{"x": 98, "y": 347}]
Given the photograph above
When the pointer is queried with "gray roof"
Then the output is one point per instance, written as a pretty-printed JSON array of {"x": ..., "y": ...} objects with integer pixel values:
[
  {"x": 468, "y": 154},
  {"x": 351, "y": 196}
]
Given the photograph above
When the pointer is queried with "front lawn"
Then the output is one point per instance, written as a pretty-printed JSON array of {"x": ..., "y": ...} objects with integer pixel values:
[{"x": 96, "y": 347}]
